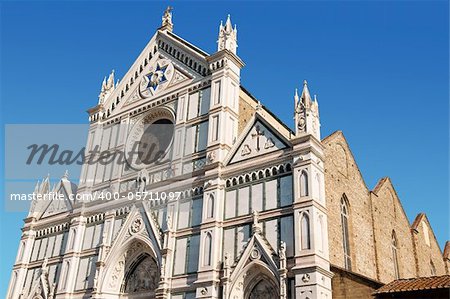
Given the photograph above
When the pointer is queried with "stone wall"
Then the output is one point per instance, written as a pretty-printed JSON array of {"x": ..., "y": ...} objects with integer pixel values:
[
  {"x": 373, "y": 218},
  {"x": 350, "y": 285},
  {"x": 342, "y": 176},
  {"x": 390, "y": 219},
  {"x": 246, "y": 110},
  {"x": 426, "y": 247}
]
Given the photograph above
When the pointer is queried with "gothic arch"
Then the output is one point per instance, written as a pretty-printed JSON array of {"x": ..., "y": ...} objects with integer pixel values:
[
  {"x": 142, "y": 276},
  {"x": 121, "y": 263},
  {"x": 255, "y": 280}
]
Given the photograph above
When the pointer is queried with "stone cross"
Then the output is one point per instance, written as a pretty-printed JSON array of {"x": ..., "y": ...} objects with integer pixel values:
[{"x": 257, "y": 135}]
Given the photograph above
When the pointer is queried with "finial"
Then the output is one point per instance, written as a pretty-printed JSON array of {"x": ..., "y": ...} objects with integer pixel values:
[
  {"x": 296, "y": 99},
  {"x": 110, "y": 82},
  {"x": 66, "y": 174},
  {"x": 228, "y": 26},
  {"x": 256, "y": 228},
  {"x": 36, "y": 188},
  {"x": 167, "y": 19},
  {"x": 315, "y": 98},
  {"x": 306, "y": 97},
  {"x": 227, "y": 36},
  {"x": 255, "y": 217}
]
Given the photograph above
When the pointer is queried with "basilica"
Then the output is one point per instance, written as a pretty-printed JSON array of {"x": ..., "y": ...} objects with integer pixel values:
[{"x": 227, "y": 202}]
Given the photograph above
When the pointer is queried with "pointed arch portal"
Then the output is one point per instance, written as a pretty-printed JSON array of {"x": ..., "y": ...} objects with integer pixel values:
[
  {"x": 132, "y": 271},
  {"x": 263, "y": 288},
  {"x": 142, "y": 278},
  {"x": 256, "y": 280}
]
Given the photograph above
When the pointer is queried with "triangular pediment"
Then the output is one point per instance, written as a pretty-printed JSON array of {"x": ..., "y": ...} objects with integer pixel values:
[
  {"x": 257, "y": 249},
  {"x": 166, "y": 64},
  {"x": 139, "y": 223},
  {"x": 257, "y": 139},
  {"x": 160, "y": 75},
  {"x": 62, "y": 203}
]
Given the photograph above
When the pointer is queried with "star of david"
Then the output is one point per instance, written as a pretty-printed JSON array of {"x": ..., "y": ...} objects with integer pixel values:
[{"x": 157, "y": 77}]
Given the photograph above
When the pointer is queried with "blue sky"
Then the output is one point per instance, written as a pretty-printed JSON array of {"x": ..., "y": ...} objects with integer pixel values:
[{"x": 379, "y": 69}]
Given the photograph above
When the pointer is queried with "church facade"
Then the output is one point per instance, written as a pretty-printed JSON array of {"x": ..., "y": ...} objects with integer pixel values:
[{"x": 235, "y": 204}]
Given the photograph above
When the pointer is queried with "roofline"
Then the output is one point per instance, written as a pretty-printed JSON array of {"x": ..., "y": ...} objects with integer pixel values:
[
  {"x": 266, "y": 109},
  {"x": 186, "y": 43},
  {"x": 337, "y": 133}
]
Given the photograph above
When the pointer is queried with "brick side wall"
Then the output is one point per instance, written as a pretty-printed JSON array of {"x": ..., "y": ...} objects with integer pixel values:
[
  {"x": 342, "y": 176},
  {"x": 389, "y": 217},
  {"x": 373, "y": 216},
  {"x": 246, "y": 111},
  {"x": 426, "y": 253},
  {"x": 347, "y": 285}
]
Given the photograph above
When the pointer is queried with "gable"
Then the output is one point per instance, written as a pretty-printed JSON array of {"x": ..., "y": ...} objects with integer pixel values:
[
  {"x": 58, "y": 206},
  {"x": 385, "y": 192},
  {"x": 163, "y": 66},
  {"x": 428, "y": 251},
  {"x": 339, "y": 158},
  {"x": 257, "y": 248},
  {"x": 139, "y": 223},
  {"x": 161, "y": 75},
  {"x": 259, "y": 138}
]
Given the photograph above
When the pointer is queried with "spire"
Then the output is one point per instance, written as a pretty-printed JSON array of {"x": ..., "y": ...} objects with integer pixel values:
[
  {"x": 104, "y": 84},
  {"x": 167, "y": 20},
  {"x": 66, "y": 175},
  {"x": 228, "y": 26},
  {"x": 306, "y": 97},
  {"x": 36, "y": 188},
  {"x": 306, "y": 113},
  {"x": 45, "y": 186},
  {"x": 227, "y": 36},
  {"x": 107, "y": 88},
  {"x": 110, "y": 82}
]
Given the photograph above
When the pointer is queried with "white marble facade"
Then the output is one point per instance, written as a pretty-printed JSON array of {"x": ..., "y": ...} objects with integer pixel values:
[{"x": 250, "y": 221}]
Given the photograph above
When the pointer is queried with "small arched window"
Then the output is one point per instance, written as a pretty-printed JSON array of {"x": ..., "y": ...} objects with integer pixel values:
[
  {"x": 21, "y": 250},
  {"x": 64, "y": 276},
  {"x": 317, "y": 187},
  {"x": 304, "y": 184},
  {"x": 305, "y": 231},
  {"x": 321, "y": 234},
  {"x": 210, "y": 207},
  {"x": 72, "y": 239},
  {"x": 207, "y": 249},
  {"x": 394, "y": 255},
  {"x": 13, "y": 284},
  {"x": 345, "y": 233}
]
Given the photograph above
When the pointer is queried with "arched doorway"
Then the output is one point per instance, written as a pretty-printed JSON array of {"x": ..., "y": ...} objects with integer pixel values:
[
  {"x": 131, "y": 271},
  {"x": 141, "y": 279},
  {"x": 255, "y": 281},
  {"x": 263, "y": 289}
]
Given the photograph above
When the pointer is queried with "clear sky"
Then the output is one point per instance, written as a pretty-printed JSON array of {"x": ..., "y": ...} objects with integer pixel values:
[{"x": 379, "y": 69}]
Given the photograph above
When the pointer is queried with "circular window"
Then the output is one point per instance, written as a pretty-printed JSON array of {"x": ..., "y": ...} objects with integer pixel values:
[
  {"x": 155, "y": 141},
  {"x": 150, "y": 139}
]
